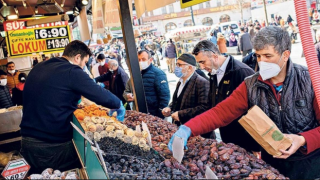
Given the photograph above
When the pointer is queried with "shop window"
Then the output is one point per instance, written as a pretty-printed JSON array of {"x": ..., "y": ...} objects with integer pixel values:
[
  {"x": 201, "y": 6},
  {"x": 164, "y": 10},
  {"x": 171, "y": 10},
  {"x": 207, "y": 21},
  {"x": 188, "y": 23},
  {"x": 207, "y": 4},
  {"x": 224, "y": 18},
  {"x": 170, "y": 26}
]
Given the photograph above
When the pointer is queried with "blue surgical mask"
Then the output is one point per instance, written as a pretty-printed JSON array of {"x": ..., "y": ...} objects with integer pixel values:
[{"x": 178, "y": 72}]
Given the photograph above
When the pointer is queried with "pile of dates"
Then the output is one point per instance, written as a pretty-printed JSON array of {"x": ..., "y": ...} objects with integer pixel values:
[
  {"x": 225, "y": 160},
  {"x": 128, "y": 167}
]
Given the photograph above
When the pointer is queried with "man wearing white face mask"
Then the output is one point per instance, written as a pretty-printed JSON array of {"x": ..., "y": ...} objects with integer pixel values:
[
  {"x": 155, "y": 85},
  {"x": 12, "y": 75},
  {"x": 191, "y": 95},
  {"x": 5, "y": 98},
  {"x": 283, "y": 90},
  {"x": 103, "y": 68}
]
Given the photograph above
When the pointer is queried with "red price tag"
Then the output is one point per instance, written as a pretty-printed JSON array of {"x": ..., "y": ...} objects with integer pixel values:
[{"x": 16, "y": 169}]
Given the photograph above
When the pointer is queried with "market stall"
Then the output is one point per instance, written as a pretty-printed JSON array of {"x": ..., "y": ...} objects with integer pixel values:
[
  {"x": 137, "y": 149},
  {"x": 186, "y": 38}
]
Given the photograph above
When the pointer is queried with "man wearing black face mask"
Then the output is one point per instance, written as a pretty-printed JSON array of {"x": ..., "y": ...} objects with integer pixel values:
[{"x": 117, "y": 79}]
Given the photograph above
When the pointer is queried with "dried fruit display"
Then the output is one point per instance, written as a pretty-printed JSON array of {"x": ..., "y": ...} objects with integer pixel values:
[
  {"x": 226, "y": 160},
  {"x": 50, "y": 174}
]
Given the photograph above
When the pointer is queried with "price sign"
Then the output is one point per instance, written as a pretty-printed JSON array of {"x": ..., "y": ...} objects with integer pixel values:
[
  {"x": 16, "y": 169},
  {"x": 24, "y": 42}
]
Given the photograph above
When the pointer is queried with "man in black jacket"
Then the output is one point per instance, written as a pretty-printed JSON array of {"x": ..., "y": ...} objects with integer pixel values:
[
  {"x": 191, "y": 95},
  {"x": 50, "y": 97},
  {"x": 5, "y": 98},
  {"x": 117, "y": 79},
  {"x": 245, "y": 44},
  {"x": 226, "y": 74}
]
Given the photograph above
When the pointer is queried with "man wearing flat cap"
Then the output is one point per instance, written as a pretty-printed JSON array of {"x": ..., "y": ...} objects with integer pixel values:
[{"x": 191, "y": 95}]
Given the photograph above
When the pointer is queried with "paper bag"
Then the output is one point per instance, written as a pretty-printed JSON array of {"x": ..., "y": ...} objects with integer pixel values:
[{"x": 264, "y": 131}]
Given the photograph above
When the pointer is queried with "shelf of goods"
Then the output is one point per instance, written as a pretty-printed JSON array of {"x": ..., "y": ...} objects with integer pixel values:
[{"x": 126, "y": 154}]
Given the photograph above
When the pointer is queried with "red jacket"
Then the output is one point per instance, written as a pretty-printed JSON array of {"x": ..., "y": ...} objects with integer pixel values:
[
  {"x": 103, "y": 70},
  {"x": 226, "y": 111}
]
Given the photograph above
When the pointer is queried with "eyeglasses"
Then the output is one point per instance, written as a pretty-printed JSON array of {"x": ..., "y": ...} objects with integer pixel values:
[{"x": 179, "y": 65}]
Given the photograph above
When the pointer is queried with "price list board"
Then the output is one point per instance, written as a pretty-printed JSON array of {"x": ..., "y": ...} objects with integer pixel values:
[{"x": 24, "y": 42}]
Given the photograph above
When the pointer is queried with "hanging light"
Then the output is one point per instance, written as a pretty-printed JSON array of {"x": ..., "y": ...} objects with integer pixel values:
[
  {"x": 84, "y": 2},
  {"x": 16, "y": 9},
  {"x": 24, "y": 3},
  {"x": 12, "y": 16},
  {"x": 62, "y": 3},
  {"x": 36, "y": 10},
  {"x": 4, "y": 3}
]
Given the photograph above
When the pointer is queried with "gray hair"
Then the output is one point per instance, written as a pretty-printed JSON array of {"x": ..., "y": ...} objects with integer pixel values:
[
  {"x": 113, "y": 63},
  {"x": 272, "y": 36}
]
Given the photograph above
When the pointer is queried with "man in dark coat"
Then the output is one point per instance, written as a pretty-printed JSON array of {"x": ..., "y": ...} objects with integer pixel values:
[
  {"x": 191, "y": 95},
  {"x": 251, "y": 61},
  {"x": 5, "y": 98},
  {"x": 156, "y": 87},
  {"x": 226, "y": 74},
  {"x": 117, "y": 79},
  {"x": 245, "y": 44}
]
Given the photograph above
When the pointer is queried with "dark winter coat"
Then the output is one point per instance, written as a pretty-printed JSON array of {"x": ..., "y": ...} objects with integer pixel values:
[
  {"x": 251, "y": 61},
  {"x": 194, "y": 99},
  {"x": 171, "y": 51},
  {"x": 5, "y": 98},
  {"x": 121, "y": 79},
  {"x": 156, "y": 89},
  {"x": 245, "y": 42},
  {"x": 234, "y": 75}
]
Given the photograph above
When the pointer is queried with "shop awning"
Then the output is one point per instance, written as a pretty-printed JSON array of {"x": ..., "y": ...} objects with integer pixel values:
[{"x": 143, "y": 6}]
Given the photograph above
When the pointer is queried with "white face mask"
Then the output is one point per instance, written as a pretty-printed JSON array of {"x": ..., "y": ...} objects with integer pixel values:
[
  {"x": 3, "y": 82},
  {"x": 143, "y": 65},
  {"x": 102, "y": 63},
  {"x": 11, "y": 71},
  {"x": 269, "y": 70}
]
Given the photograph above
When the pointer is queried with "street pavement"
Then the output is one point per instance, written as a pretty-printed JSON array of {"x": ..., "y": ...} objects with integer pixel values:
[{"x": 296, "y": 57}]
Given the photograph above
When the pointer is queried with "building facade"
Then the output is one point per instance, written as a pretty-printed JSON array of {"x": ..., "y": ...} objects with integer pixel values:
[{"x": 208, "y": 13}]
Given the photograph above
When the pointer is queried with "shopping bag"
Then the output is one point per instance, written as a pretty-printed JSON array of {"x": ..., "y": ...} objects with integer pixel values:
[{"x": 264, "y": 131}]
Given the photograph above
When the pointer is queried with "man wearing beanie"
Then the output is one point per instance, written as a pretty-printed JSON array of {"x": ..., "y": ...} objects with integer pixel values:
[{"x": 191, "y": 95}]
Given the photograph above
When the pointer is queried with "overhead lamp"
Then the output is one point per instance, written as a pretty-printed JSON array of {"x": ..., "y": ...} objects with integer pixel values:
[
  {"x": 36, "y": 10},
  {"x": 16, "y": 9},
  {"x": 76, "y": 11},
  {"x": 84, "y": 2},
  {"x": 62, "y": 3},
  {"x": 12, "y": 16},
  {"x": 24, "y": 3},
  {"x": 69, "y": 12},
  {"x": 4, "y": 3}
]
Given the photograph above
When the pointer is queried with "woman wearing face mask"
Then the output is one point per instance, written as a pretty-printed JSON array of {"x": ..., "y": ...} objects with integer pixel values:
[
  {"x": 17, "y": 92},
  {"x": 5, "y": 98}
]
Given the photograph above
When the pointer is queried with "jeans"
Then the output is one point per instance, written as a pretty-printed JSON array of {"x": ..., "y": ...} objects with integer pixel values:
[{"x": 41, "y": 155}]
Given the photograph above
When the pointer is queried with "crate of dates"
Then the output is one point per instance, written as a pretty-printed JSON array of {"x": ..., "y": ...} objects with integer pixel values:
[{"x": 226, "y": 160}]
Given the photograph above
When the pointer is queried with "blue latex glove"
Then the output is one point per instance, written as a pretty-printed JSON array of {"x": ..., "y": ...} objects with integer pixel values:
[
  {"x": 183, "y": 132},
  {"x": 121, "y": 112},
  {"x": 101, "y": 85}
]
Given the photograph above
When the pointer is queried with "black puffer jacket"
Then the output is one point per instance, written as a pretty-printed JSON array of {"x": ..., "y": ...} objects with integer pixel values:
[
  {"x": 251, "y": 61},
  {"x": 5, "y": 98}
]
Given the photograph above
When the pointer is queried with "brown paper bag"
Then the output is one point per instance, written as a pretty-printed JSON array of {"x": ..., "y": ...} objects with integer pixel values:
[{"x": 264, "y": 131}]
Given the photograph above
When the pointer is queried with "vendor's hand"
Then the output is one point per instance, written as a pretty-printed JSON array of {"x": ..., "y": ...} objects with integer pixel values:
[
  {"x": 130, "y": 97},
  {"x": 297, "y": 142},
  {"x": 101, "y": 85},
  {"x": 121, "y": 112},
  {"x": 166, "y": 112},
  {"x": 183, "y": 132},
  {"x": 175, "y": 116}
]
